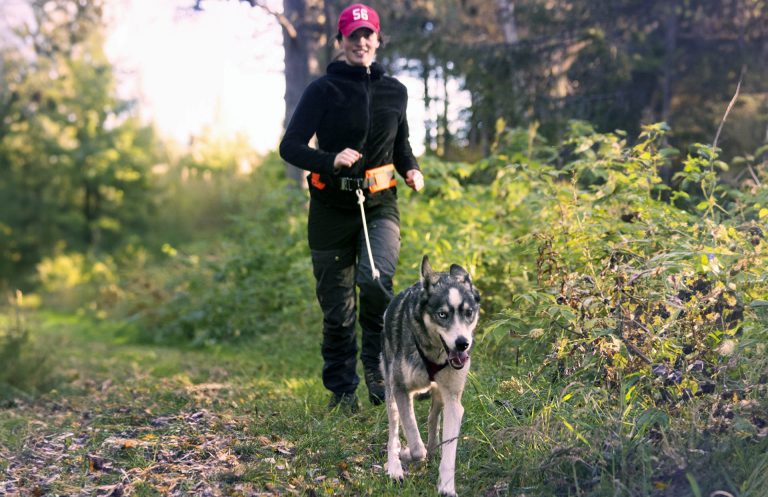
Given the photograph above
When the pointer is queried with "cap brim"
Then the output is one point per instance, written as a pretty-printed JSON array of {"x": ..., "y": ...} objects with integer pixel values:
[{"x": 351, "y": 28}]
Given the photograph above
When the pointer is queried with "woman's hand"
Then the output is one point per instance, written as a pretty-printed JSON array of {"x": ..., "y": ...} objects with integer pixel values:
[
  {"x": 346, "y": 158},
  {"x": 414, "y": 179}
]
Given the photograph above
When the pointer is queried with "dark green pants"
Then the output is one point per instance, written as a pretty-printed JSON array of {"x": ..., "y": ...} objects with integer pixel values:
[{"x": 341, "y": 267}]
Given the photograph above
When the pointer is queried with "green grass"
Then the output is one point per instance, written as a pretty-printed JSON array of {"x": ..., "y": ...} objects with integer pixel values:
[
  {"x": 249, "y": 418},
  {"x": 252, "y": 415},
  {"x": 207, "y": 379}
]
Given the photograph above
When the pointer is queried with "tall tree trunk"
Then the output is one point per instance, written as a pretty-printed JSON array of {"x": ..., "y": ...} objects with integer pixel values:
[
  {"x": 308, "y": 49},
  {"x": 91, "y": 214},
  {"x": 506, "y": 9},
  {"x": 425, "y": 72},
  {"x": 670, "y": 47},
  {"x": 297, "y": 67},
  {"x": 444, "y": 135}
]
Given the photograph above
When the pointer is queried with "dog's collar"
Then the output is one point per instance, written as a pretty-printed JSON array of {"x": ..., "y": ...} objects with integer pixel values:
[{"x": 432, "y": 368}]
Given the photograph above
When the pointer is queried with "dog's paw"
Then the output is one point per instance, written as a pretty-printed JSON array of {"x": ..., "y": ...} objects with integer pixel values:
[
  {"x": 415, "y": 455},
  {"x": 446, "y": 489},
  {"x": 405, "y": 454},
  {"x": 395, "y": 471}
]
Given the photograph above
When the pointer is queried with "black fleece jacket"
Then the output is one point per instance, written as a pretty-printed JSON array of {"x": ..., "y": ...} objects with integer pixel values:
[{"x": 350, "y": 107}]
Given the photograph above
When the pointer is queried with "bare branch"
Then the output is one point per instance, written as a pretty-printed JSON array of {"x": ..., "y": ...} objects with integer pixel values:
[
  {"x": 284, "y": 22},
  {"x": 620, "y": 331},
  {"x": 727, "y": 111}
]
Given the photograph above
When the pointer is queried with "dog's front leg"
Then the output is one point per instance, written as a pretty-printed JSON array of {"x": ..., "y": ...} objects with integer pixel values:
[
  {"x": 433, "y": 422},
  {"x": 394, "y": 467},
  {"x": 452, "y": 414},
  {"x": 415, "y": 450}
]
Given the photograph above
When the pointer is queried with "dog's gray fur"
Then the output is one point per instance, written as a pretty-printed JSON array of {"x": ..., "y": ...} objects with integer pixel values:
[{"x": 426, "y": 341}]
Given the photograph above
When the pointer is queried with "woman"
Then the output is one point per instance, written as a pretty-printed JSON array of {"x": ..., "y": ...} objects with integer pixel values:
[{"x": 359, "y": 116}]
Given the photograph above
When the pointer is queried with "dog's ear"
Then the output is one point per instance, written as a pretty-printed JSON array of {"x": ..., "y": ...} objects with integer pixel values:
[
  {"x": 462, "y": 276},
  {"x": 429, "y": 279},
  {"x": 426, "y": 271}
]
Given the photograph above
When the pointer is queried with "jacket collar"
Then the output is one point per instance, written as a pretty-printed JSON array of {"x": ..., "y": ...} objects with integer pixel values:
[{"x": 341, "y": 68}]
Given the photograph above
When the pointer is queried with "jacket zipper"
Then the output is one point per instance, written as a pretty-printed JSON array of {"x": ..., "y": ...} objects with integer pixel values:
[{"x": 370, "y": 112}]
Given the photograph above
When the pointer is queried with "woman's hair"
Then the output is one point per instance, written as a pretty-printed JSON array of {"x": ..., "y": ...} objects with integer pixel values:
[{"x": 339, "y": 37}]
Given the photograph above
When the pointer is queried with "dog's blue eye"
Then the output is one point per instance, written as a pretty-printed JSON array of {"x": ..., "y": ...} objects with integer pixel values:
[{"x": 442, "y": 314}]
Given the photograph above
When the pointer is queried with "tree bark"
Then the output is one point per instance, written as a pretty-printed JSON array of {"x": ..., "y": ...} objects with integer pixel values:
[
  {"x": 670, "y": 47},
  {"x": 506, "y": 9},
  {"x": 444, "y": 135},
  {"x": 297, "y": 68},
  {"x": 425, "y": 73},
  {"x": 308, "y": 49},
  {"x": 308, "y": 27}
]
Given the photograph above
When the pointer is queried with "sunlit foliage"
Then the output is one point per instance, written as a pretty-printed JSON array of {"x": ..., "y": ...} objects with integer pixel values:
[{"x": 74, "y": 159}]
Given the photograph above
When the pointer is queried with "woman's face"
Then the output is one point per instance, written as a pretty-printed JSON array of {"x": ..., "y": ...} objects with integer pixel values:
[{"x": 360, "y": 47}]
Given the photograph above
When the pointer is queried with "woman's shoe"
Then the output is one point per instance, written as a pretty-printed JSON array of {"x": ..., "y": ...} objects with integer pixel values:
[
  {"x": 347, "y": 402},
  {"x": 375, "y": 384}
]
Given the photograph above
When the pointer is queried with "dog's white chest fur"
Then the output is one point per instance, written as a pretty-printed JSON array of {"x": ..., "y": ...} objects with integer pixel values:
[{"x": 415, "y": 377}]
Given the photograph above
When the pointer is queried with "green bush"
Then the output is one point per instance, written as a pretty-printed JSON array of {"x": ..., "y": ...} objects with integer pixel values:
[
  {"x": 256, "y": 279},
  {"x": 642, "y": 329},
  {"x": 77, "y": 282},
  {"x": 628, "y": 327},
  {"x": 624, "y": 324},
  {"x": 25, "y": 369}
]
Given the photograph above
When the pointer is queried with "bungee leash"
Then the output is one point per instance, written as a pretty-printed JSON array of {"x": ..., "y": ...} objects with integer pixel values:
[{"x": 374, "y": 272}]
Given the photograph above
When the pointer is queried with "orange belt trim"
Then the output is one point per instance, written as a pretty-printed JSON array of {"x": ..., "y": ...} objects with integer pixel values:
[
  {"x": 381, "y": 178},
  {"x": 378, "y": 179},
  {"x": 316, "y": 182}
]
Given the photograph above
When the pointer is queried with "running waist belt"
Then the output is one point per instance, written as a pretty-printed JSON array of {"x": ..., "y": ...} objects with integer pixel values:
[{"x": 377, "y": 179}]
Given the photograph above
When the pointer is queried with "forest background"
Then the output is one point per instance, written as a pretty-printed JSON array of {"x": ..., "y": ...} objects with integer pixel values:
[{"x": 605, "y": 186}]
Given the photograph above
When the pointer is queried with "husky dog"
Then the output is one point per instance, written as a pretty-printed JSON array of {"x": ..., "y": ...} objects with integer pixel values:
[{"x": 426, "y": 340}]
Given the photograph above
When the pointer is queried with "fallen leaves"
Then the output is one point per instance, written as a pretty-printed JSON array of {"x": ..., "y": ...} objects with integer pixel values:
[
  {"x": 117, "y": 443},
  {"x": 124, "y": 450}
]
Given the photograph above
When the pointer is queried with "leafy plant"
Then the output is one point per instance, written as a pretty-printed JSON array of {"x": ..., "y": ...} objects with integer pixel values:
[
  {"x": 26, "y": 369},
  {"x": 258, "y": 280},
  {"x": 626, "y": 316}
]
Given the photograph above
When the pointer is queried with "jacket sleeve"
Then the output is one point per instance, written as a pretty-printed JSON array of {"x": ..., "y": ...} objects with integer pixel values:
[
  {"x": 403, "y": 157},
  {"x": 294, "y": 147}
]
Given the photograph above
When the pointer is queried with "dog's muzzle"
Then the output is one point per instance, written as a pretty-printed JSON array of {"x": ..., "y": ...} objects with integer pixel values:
[
  {"x": 459, "y": 356},
  {"x": 457, "y": 359}
]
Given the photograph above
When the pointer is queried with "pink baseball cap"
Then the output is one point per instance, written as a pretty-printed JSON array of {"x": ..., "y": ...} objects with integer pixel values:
[{"x": 358, "y": 16}]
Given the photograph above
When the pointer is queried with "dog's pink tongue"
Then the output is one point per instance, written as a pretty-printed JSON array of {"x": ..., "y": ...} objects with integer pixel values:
[{"x": 458, "y": 359}]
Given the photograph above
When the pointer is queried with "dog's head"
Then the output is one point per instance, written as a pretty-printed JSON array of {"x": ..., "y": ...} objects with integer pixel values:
[{"x": 450, "y": 308}]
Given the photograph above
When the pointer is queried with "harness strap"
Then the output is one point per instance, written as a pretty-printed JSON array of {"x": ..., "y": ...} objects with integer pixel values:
[{"x": 432, "y": 368}]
